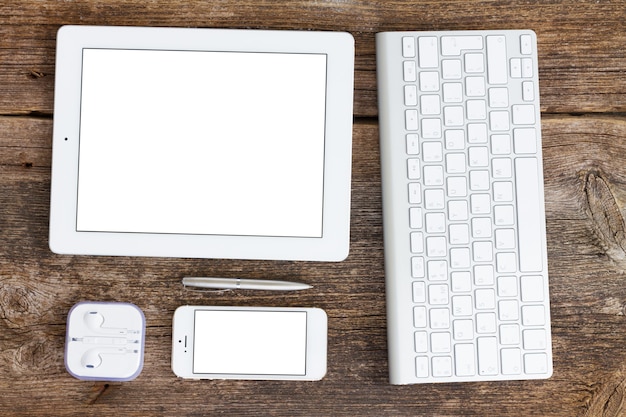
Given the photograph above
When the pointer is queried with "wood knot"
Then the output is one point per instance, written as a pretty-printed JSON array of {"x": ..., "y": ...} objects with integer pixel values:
[
  {"x": 34, "y": 74},
  {"x": 610, "y": 399},
  {"x": 603, "y": 209}
]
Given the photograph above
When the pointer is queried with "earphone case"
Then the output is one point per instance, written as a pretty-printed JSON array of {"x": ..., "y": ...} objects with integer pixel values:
[{"x": 105, "y": 341}]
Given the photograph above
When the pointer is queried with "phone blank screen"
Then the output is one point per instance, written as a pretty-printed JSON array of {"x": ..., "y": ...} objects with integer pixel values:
[
  {"x": 202, "y": 142},
  {"x": 250, "y": 342}
]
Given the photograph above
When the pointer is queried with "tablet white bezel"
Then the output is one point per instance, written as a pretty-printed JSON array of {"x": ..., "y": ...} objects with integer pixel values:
[{"x": 334, "y": 243}]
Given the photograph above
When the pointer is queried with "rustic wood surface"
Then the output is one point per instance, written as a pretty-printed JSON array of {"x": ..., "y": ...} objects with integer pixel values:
[{"x": 582, "y": 70}]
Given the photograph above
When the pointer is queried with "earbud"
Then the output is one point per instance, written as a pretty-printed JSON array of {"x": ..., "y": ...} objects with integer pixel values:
[
  {"x": 95, "y": 320},
  {"x": 93, "y": 357}
]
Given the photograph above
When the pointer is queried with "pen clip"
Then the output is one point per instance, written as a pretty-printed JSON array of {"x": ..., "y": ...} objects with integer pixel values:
[{"x": 197, "y": 289}]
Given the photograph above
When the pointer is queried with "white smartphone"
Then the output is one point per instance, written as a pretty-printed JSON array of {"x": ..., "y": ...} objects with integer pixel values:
[{"x": 210, "y": 342}]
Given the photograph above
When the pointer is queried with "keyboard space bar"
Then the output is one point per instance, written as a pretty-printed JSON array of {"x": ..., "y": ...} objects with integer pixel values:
[{"x": 529, "y": 214}]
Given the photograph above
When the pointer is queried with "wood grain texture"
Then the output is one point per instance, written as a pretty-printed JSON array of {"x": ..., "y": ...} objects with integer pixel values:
[{"x": 583, "y": 93}]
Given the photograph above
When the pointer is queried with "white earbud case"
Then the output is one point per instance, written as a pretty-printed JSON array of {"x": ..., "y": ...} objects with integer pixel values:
[{"x": 105, "y": 341}]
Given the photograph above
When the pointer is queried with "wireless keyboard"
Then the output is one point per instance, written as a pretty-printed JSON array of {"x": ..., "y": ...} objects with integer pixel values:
[{"x": 463, "y": 208}]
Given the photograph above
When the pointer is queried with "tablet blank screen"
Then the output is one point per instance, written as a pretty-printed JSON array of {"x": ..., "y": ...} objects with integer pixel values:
[{"x": 197, "y": 142}]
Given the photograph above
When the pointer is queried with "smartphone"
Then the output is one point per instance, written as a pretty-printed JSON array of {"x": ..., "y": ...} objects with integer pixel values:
[{"x": 210, "y": 342}]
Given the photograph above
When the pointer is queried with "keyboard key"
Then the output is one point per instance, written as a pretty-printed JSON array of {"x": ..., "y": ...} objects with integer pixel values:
[
  {"x": 417, "y": 242},
  {"x": 534, "y": 339},
  {"x": 453, "y": 115},
  {"x": 429, "y": 81},
  {"x": 533, "y": 315},
  {"x": 525, "y": 140},
  {"x": 415, "y": 218},
  {"x": 536, "y": 363},
  {"x": 463, "y": 330},
  {"x": 509, "y": 334},
  {"x": 496, "y": 59},
  {"x": 409, "y": 71},
  {"x": 506, "y": 262},
  {"x": 430, "y": 104},
  {"x": 435, "y": 223},
  {"x": 483, "y": 251},
  {"x": 487, "y": 355},
  {"x": 461, "y": 281},
  {"x": 457, "y": 210},
  {"x": 532, "y": 288},
  {"x": 421, "y": 367},
  {"x": 511, "y": 360},
  {"x": 438, "y": 294},
  {"x": 421, "y": 342},
  {"x": 440, "y": 342},
  {"x": 436, "y": 246},
  {"x": 477, "y": 133},
  {"x": 508, "y": 310},
  {"x": 431, "y": 128},
  {"x": 476, "y": 109},
  {"x": 434, "y": 199},
  {"x": 451, "y": 69},
  {"x": 485, "y": 323},
  {"x": 501, "y": 168},
  {"x": 501, "y": 144},
  {"x": 505, "y": 239},
  {"x": 462, "y": 306},
  {"x": 502, "y": 191},
  {"x": 507, "y": 286},
  {"x": 439, "y": 318},
  {"x": 464, "y": 362},
  {"x": 478, "y": 156},
  {"x": 442, "y": 366},
  {"x": 499, "y": 97},
  {"x": 417, "y": 267},
  {"x": 453, "y": 45},
  {"x": 527, "y": 68},
  {"x": 453, "y": 93},
  {"x": 408, "y": 47},
  {"x": 523, "y": 114},
  {"x": 481, "y": 227},
  {"x": 412, "y": 144},
  {"x": 419, "y": 316},
  {"x": 480, "y": 203},
  {"x": 413, "y": 168},
  {"x": 485, "y": 300},
  {"x": 475, "y": 86},
  {"x": 529, "y": 214},
  {"x": 410, "y": 95},
  {"x": 432, "y": 152},
  {"x": 460, "y": 258},
  {"x": 504, "y": 215},
  {"x": 459, "y": 234},
  {"x": 455, "y": 163},
  {"x": 437, "y": 270},
  {"x": 499, "y": 121},
  {"x": 474, "y": 63},
  {"x": 411, "y": 118},
  {"x": 479, "y": 180},
  {"x": 415, "y": 193},
  {"x": 526, "y": 44},
  {"x": 483, "y": 275},
  {"x": 457, "y": 186},
  {"x": 419, "y": 292},
  {"x": 455, "y": 139},
  {"x": 428, "y": 52},
  {"x": 528, "y": 91},
  {"x": 516, "y": 68}
]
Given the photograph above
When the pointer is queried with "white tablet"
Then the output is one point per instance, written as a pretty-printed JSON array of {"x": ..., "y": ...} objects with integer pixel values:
[{"x": 205, "y": 143}]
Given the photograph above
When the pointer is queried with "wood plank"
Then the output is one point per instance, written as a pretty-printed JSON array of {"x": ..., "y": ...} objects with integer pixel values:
[
  {"x": 585, "y": 168},
  {"x": 581, "y": 66}
]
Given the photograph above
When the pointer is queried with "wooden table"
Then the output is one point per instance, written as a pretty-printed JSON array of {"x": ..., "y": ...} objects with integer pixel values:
[{"x": 582, "y": 71}]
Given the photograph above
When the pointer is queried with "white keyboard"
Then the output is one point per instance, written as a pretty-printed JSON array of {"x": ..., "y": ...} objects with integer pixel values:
[{"x": 463, "y": 207}]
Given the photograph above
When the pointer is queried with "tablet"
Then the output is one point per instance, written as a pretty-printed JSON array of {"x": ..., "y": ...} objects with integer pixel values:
[{"x": 203, "y": 143}]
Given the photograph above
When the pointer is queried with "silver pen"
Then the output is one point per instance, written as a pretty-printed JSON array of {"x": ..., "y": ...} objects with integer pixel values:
[{"x": 243, "y": 284}]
